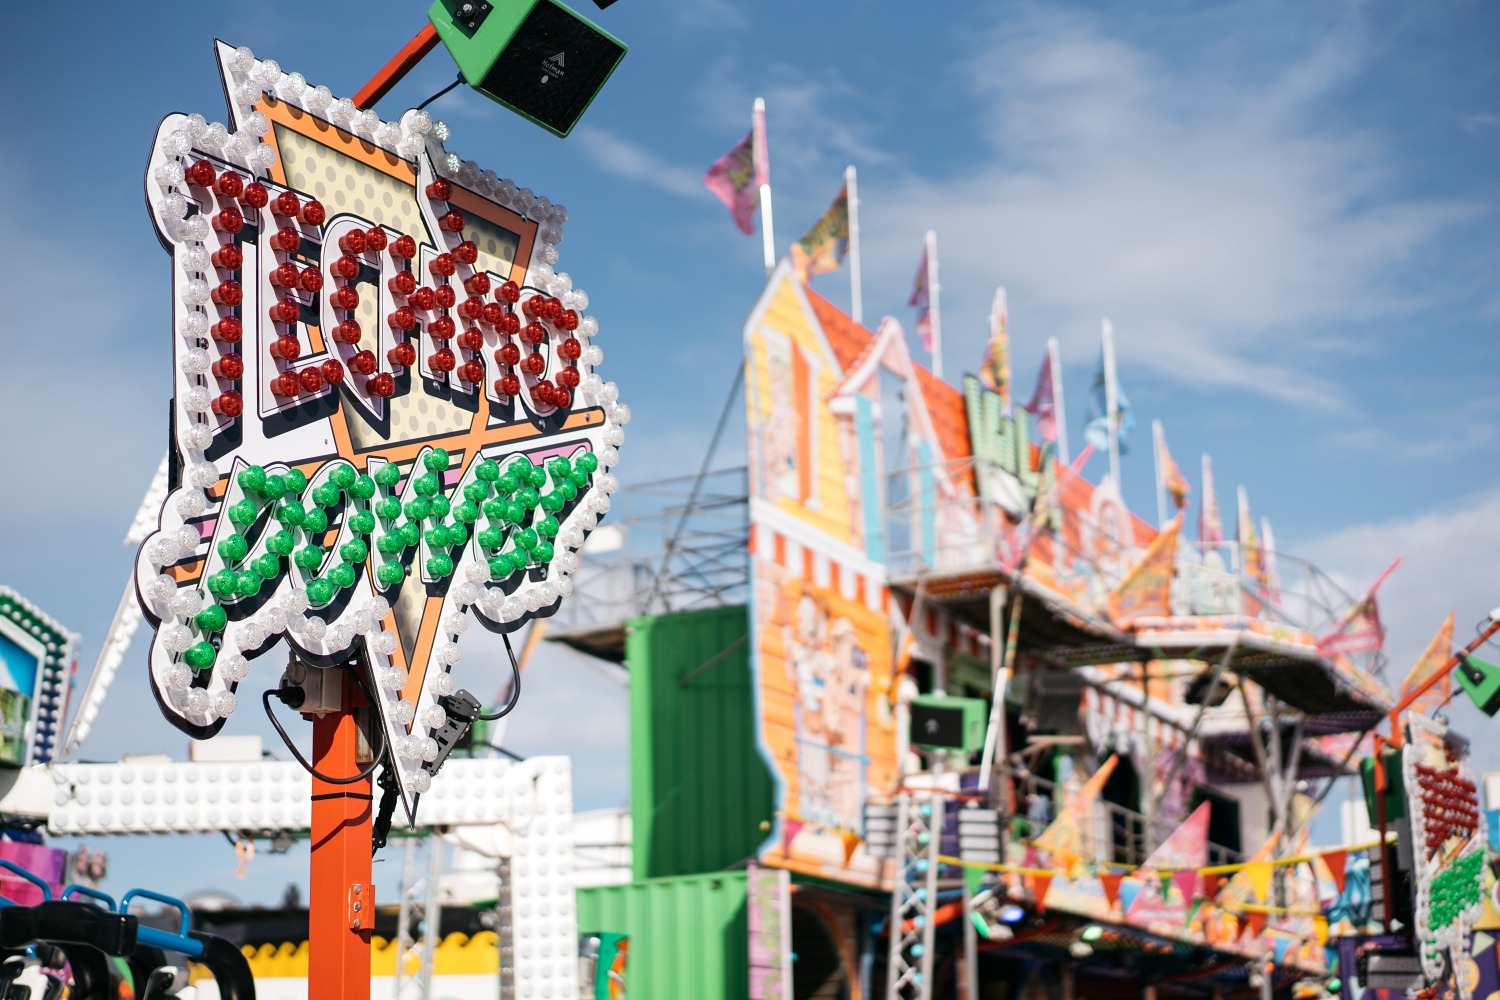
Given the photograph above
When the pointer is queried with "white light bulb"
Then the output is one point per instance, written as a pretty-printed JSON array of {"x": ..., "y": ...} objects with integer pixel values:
[
  {"x": 548, "y": 253},
  {"x": 614, "y": 435},
  {"x": 417, "y": 122},
  {"x": 253, "y": 635},
  {"x": 248, "y": 94},
  {"x": 442, "y": 685},
  {"x": 455, "y": 623},
  {"x": 242, "y": 60},
  {"x": 421, "y": 782},
  {"x": 224, "y": 704},
  {"x": 448, "y": 654},
  {"x": 195, "y": 291},
  {"x": 609, "y": 456},
  {"x": 162, "y": 589},
  {"x": 294, "y": 84},
  {"x": 441, "y": 131},
  {"x": 360, "y": 622},
  {"x": 294, "y": 602},
  {"x": 588, "y": 326},
  {"x": 404, "y": 712},
  {"x": 407, "y": 747},
  {"x": 318, "y": 98},
  {"x": 385, "y": 643},
  {"x": 214, "y": 136},
  {"x": 263, "y": 157},
  {"x": 296, "y": 624},
  {"x": 194, "y": 325},
  {"x": 188, "y": 538},
  {"x": 562, "y": 280},
  {"x": 467, "y": 593},
  {"x": 339, "y": 636},
  {"x": 620, "y": 414},
  {"x": 176, "y": 143},
  {"x": 187, "y": 603},
  {"x": 274, "y": 619},
  {"x": 315, "y": 629},
  {"x": 511, "y": 609},
  {"x": 433, "y": 717},
  {"x": 196, "y": 701},
  {"x": 378, "y": 607},
  {"x": 234, "y": 667},
  {"x": 255, "y": 124},
  {"x": 176, "y": 637},
  {"x": 195, "y": 258},
  {"x": 430, "y": 749},
  {"x": 547, "y": 592},
  {"x": 393, "y": 678},
  {"x": 564, "y": 586},
  {"x": 531, "y": 600},
  {"x": 609, "y": 392},
  {"x": 179, "y": 676},
  {"x": 173, "y": 205},
  {"x": 267, "y": 72},
  {"x": 195, "y": 361},
  {"x": 191, "y": 504},
  {"x": 196, "y": 399}
]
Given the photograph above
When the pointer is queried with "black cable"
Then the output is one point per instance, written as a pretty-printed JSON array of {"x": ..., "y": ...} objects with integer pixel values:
[
  {"x": 265, "y": 699},
  {"x": 500, "y": 749},
  {"x": 440, "y": 93},
  {"x": 515, "y": 687}
]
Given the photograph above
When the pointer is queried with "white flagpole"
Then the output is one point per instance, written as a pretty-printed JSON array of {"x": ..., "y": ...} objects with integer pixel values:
[
  {"x": 1157, "y": 438},
  {"x": 932, "y": 304},
  {"x": 1111, "y": 401},
  {"x": 856, "y": 296},
  {"x": 1241, "y": 518},
  {"x": 767, "y": 229},
  {"x": 1060, "y": 412}
]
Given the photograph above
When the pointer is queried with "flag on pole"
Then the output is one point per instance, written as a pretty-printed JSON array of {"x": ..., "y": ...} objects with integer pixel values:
[
  {"x": 1147, "y": 589},
  {"x": 1043, "y": 405},
  {"x": 1360, "y": 629},
  {"x": 1210, "y": 525},
  {"x": 826, "y": 244},
  {"x": 1268, "y": 561},
  {"x": 1096, "y": 430},
  {"x": 921, "y": 299},
  {"x": 1252, "y": 556},
  {"x": 1172, "y": 479},
  {"x": 1064, "y": 838},
  {"x": 1433, "y": 658},
  {"x": 737, "y": 176},
  {"x": 994, "y": 370}
]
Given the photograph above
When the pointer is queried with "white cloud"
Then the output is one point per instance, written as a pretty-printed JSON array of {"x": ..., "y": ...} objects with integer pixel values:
[
  {"x": 623, "y": 158},
  {"x": 1212, "y": 216}
]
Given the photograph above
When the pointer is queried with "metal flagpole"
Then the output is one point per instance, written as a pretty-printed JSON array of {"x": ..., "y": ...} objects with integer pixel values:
[
  {"x": 932, "y": 304},
  {"x": 763, "y": 152},
  {"x": 856, "y": 294},
  {"x": 1161, "y": 491},
  {"x": 1111, "y": 402},
  {"x": 1059, "y": 411}
]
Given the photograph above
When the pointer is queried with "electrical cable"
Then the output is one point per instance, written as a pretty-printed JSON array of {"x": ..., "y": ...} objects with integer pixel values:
[
  {"x": 515, "y": 687},
  {"x": 440, "y": 93},
  {"x": 265, "y": 700},
  {"x": 501, "y": 750}
]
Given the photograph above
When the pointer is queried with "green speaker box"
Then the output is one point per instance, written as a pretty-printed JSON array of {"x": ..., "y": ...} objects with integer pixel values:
[
  {"x": 1395, "y": 788},
  {"x": 1481, "y": 681}
]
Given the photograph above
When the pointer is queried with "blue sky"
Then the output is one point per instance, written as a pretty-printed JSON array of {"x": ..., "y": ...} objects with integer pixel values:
[{"x": 1289, "y": 211}]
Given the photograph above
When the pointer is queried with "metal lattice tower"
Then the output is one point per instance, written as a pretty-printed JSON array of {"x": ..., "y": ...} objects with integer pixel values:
[
  {"x": 419, "y": 904},
  {"x": 919, "y": 827}
]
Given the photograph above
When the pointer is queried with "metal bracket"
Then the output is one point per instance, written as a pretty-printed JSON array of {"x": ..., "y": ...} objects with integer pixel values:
[
  {"x": 361, "y": 906},
  {"x": 322, "y": 687}
]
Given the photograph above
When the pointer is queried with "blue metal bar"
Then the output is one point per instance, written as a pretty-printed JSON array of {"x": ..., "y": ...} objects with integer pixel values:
[
  {"x": 35, "y": 880},
  {"x": 167, "y": 941}
]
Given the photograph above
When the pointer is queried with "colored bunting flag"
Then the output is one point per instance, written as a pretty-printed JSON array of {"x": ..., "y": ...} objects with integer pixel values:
[
  {"x": 921, "y": 300},
  {"x": 1360, "y": 629},
  {"x": 737, "y": 176},
  {"x": 1147, "y": 589},
  {"x": 1211, "y": 884},
  {"x": 1110, "y": 883},
  {"x": 1279, "y": 948},
  {"x": 789, "y": 830},
  {"x": 1335, "y": 861},
  {"x": 973, "y": 879},
  {"x": 1252, "y": 561},
  {"x": 826, "y": 244},
  {"x": 1043, "y": 405},
  {"x": 1433, "y": 659},
  {"x": 994, "y": 370},
  {"x": 1040, "y": 884},
  {"x": 1210, "y": 525},
  {"x": 1097, "y": 428},
  {"x": 1253, "y": 923},
  {"x": 1259, "y": 877},
  {"x": 1130, "y": 891},
  {"x": 1186, "y": 881},
  {"x": 1268, "y": 562},
  {"x": 1192, "y": 912},
  {"x": 1172, "y": 479},
  {"x": 851, "y": 844},
  {"x": 1064, "y": 838}
]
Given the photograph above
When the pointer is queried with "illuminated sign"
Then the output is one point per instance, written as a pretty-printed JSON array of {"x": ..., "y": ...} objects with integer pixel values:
[
  {"x": 385, "y": 413},
  {"x": 35, "y": 657}
]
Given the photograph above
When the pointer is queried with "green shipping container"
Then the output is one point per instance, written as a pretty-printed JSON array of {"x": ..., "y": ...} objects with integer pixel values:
[
  {"x": 689, "y": 936},
  {"x": 699, "y": 789}
]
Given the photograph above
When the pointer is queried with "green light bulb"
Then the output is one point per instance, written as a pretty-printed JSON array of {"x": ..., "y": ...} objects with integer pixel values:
[
  {"x": 588, "y": 462},
  {"x": 440, "y": 565},
  {"x": 528, "y": 498},
  {"x": 291, "y": 513},
  {"x": 436, "y": 460},
  {"x": 199, "y": 656},
  {"x": 543, "y": 552},
  {"x": 354, "y": 550},
  {"x": 526, "y": 538},
  {"x": 501, "y": 566},
  {"x": 457, "y": 535},
  {"x": 243, "y": 514},
  {"x": 388, "y": 508},
  {"x": 252, "y": 479},
  {"x": 547, "y": 527},
  {"x": 437, "y": 537},
  {"x": 246, "y": 583},
  {"x": 364, "y": 487},
  {"x": 440, "y": 506},
  {"x": 362, "y": 522},
  {"x": 319, "y": 592},
  {"x": 477, "y": 492},
  {"x": 537, "y": 476},
  {"x": 342, "y": 476},
  {"x": 488, "y": 470},
  {"x": 426, "y": 484},
  {"x": 388, "y": 475},
  {"x": 466, "y": 512},
  {"x": 514, "y": 512},
  {"x": 491, "y": 538},
  {"x": 567, "y": 490},
  {"x": 212, "y": 618},
  {"x": 315, "y": 522},
  {"x": 266, "y": 566},
  {"x": 553, "y": 502},
  {"x": 275, "y": 487},
  {"x": 391, "y": 543},
  {"x": 390, "y": 573},
  {"x": 282, "y": 543},
  {"x": 326, "y": 495},
  {"x": 558, "y": 467},
  {"x": 418, "y": 508},
  {"x": 508, "y": 483},
  {"x": 233, "y": 548},
  {"x": 411, "y": 533},
  {"x": 578, "y": 478},
  {"x": 296, "y": 481},
  {"x": 494, "y": 510},
  {"x": 343, "y": 576},
  {"x": 309, "y": 557},
  {"x": 221, "y": 584}
]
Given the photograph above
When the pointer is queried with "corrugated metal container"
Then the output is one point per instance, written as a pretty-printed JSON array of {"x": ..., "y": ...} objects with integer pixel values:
[
  {"x": 689, "y": 936},
  {"x": 699, "y": 790}
]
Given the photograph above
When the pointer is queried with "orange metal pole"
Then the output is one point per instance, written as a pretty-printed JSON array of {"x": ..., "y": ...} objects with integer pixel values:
[
  {"x": 401, "y": 63},
  {"x": 1395, "y": 738},
  {"x": 341, "y": 900}
]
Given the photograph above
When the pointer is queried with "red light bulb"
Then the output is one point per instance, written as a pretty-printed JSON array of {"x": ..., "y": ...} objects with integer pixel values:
[
  {"x": 347, "y": 332},
  {"x": 404, "y": 355},
  {"x": 404, "y": 318},
  {"x": 285, "y": 275},
  {"x": 534, "y": 333},
  {"x": 311, "y": 379},
  {"x": 552, "y": 309},
  {"x": 364, "y": 363},
  {"x": 311, "y": 280},
  {"x": 404, "y": 248},
  {"x": 472, "y": 308},
  {"x": 443, "y": 265},
  {"x": 424, "y": 298},
  {"x": 471, "y": 340},
  {"x": 445, "y": 296},
  {"x": 510, "y": 292},
  {"x": 345, "y": 298},
  {"x": 352, "y": 242},
  {"x": 471, "y": 371},
  {"x": 286, "y": 347},
  {"x": 228, "y": 404},
  {"x": 313, "y": 213},
  {"x": 562, "y": 398},
  {"x": 285, "y": 311},
  {"x": 508, "y": 385},
  {"x": 543, "y": 392},
  {"x": 255, "y": 195},
  {"x": 200, "y": 173},
  {"x": 286, "y": 384},
  {"x": 478, "y": 284},
  {"x": 287, "y": 239},
  {"x": 453, "y": 222},
  {"x": 346, "y": 267},
  {"x": 228, "y": 220},
  {"x": 510, "y": 324},
  {"x": 572, "y": 349},
  {"x": 466, "y": 252},
  {"x": 440, "y": 190},
  {"x": 569, "y": 320},
  {"x": 532, "y": 307},
  {"x": 509, "y": 354},
  {"x": 442, "y": 361},
  {"x": 441, "y": 328},
  {"x": 333, "y": 372},
  {"x": 230, "y": 367},
  {"x": 493, "y": 314},
  {"x": 286, "y": 205},
  {"x": 375, "y": 239},
  {"x": 230, "y": 184},
  {"x": 228, "y": 257},
  {"x": 568, "y": 377},
  {"x": 228, "y": 293},
  {"x": 383, "y": 385},
  {"x": 534, "y": 364},
  {"x": 229, "y": 330},
  {"x": 403, "y": 283}
]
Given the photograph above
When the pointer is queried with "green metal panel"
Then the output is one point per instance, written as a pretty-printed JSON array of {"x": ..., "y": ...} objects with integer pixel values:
[
  {"x": 699, "y": 789},
  {"x": 689, "y": 936}
]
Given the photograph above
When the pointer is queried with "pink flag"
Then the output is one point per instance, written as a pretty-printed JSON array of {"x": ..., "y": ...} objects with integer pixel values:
[
  {"x": 737, "y": 176},
  {"x": 1043, "y": 405},
  {"x": 1210, "y": 527},
  {"x": 1360, "y": 630},
  {"x": 919, "y": 299}
]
